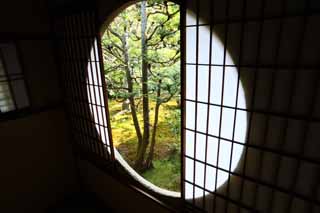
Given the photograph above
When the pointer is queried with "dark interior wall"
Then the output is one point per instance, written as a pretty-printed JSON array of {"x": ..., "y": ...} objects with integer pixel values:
[
  {"x": 24, "y": 16},
  {"x": 115, "y": 194},
  {"x": 27, "y": 24},
  {"x": 36, "y": 163},
  {"x": 35, "y": 155}
]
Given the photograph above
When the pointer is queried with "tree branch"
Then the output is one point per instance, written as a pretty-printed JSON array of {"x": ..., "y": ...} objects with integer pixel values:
[
  {"x": 114, "y": 33},
  {"x": 169, "y": 62}
]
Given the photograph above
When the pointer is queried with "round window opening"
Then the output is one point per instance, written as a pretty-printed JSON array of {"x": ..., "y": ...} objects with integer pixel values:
[{"x": 141, "y": 55}]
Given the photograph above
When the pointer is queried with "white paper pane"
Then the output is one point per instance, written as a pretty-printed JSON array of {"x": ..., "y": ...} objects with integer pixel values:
[
  {"x": 210, "y": 178},
  {"x": 202, "y": 117},
  {"x": 199, "y": 177},
  {"x": 212, "y": 151},
  {"x": 227, "y": 123},
  {"x": 190, "y": 115},
  {"x": 214, "y": 120},
  {"x": 191, "y": 82},
  {"x": 241, "y": 126},
  {"x": 201, "y": 147},
  {"x": 191, "y": 35},
  {"x": 230, "y": 86},
  {"x": 216, "y": 85},
  {"x": 189, "y": 169},
  {"x": 190, "y": 19},
  {"x": 204, "y": 45},
  {"x": 203, "y": 83},
  {"x": 224, "y": 154},
  {"x": 190, "y": 143}
]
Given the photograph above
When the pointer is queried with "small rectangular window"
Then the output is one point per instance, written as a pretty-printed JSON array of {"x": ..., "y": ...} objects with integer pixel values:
[{"x": 13, "y": 94}]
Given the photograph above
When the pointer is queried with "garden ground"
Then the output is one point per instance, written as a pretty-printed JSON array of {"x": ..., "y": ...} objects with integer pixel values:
[{"x": 166, "y": 170}]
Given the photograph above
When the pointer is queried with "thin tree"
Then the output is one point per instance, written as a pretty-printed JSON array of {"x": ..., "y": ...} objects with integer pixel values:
[{"x": 141, "y": 54}]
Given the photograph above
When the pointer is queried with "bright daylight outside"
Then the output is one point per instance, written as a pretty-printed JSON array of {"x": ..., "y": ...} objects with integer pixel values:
[
  {"x": 141, "y": 52},
  {"x": 141, "y": 49}
]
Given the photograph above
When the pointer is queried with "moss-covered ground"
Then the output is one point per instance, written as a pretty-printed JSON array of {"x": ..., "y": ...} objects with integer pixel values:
[{"x": 166, "y": 170}]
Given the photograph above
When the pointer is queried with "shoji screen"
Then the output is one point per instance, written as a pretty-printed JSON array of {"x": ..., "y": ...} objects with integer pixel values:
[
  {"x": 84, "y": 83},
  {"x": 251, "y": 122}
]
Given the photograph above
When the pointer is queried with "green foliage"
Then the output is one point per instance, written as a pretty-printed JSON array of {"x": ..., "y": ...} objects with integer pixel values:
[
  {"x": 174, "y": 120},
  {"x": 163, "y": 48},
  {"x": 166, "y": 173},
  {"x": 122, "y": 54}
]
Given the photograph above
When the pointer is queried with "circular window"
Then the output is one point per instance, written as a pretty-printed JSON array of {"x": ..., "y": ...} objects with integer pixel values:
[{"x": 141, "y": 50}]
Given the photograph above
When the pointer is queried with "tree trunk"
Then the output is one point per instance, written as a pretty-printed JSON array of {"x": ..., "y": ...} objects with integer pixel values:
[
  {"x": 130, "y": 90},
  {"x": 139, "y": 164},
  {"x": 155, "y": 125},
  {"x": 125, "y": 105}
]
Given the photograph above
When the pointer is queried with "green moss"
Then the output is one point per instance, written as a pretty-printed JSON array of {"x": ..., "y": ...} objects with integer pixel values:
[{"x": 166, "y": 171}]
